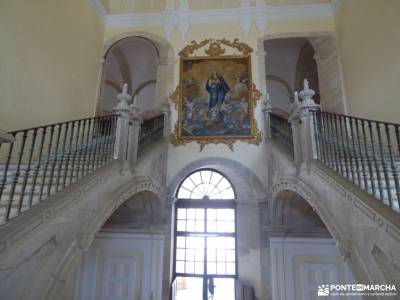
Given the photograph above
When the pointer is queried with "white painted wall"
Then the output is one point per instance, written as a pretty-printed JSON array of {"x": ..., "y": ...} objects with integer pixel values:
[
  {"x": 299, "y": 265},
  {"x": 125, "y": 264}
]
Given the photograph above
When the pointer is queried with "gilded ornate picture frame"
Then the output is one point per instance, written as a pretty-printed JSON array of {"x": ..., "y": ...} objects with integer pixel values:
[{"x": 216, "y": 97}]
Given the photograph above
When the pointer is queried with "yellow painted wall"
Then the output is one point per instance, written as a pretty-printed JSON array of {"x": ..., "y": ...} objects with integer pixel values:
[
  {"x": 49, "y": 61},
  {"x": 369, "y": 48}
]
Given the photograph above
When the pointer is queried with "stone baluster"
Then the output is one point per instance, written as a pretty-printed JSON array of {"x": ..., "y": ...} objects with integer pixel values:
[
  {"x": 295, "y": 120},
  {"x": 123, "y": 112},
  {"x": 267, "y": 119},
  {"x": 308, "y": 106},
  {"x": 134, "y": 130}
]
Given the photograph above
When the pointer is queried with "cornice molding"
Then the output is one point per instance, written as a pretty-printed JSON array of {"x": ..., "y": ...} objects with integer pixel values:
[{"x": 182, "y": 17}]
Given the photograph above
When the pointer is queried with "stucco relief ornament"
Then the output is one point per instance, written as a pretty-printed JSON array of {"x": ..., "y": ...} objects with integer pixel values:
[{"x": 215, "y": 98}]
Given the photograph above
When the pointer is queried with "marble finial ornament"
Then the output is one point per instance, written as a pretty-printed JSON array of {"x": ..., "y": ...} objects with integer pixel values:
[
  {"x": 296, "y": 97},
  {"x": 124, "y": 98},
  {"x": 125, "y": 89},
  {"x": 295, "y": 108},
  {"x": 306, "y": 95},
  {"x": 135, "y": 107},
  {"x": 305, "y": 84}
]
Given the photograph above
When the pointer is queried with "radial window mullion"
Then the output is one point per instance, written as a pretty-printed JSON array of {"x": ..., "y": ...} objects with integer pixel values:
[{"x": 206, "y": 184}]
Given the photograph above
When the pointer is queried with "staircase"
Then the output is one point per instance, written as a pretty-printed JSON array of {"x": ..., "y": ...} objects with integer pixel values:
[
  {"x": 366, "y": 152},
  {"x": 44, "y": 160}
]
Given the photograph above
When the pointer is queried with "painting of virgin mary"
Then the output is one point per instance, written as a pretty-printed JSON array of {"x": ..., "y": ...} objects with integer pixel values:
[
  {"x": 217, "y": 88},
  {"x": 215, "y": 97}
]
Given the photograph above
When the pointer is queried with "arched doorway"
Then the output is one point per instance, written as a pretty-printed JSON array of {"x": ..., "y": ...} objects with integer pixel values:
[
  {"x": 304, "y": 256},
  {"x": 288, "y": 62},
  {"x": 205, "y": 256},
  {"x": 290, "y": 56},
  {"x": 131, "y": 60},
  {"x": 124, "y": 260},
  {"x": 143, "y": 60}
]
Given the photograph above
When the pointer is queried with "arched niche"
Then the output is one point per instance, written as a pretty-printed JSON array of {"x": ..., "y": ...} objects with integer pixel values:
[
  {"x": 143, "y": 60},
  {"x": 330, "y": 89},
  {"x": 140, "y": 211},
  {"x": 129, "y": 246},
  {"x": 291, "y": 215}
]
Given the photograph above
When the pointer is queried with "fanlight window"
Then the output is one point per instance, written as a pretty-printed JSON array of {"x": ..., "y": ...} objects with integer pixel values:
[
  {"x": 206, "y": 184},
  {"x": 205, "y": 257}
]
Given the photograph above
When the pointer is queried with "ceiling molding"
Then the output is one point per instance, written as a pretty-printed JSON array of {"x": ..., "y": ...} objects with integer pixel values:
[
  {"x": 182, "y": 17},
  {"x": 99, "y": 10}
]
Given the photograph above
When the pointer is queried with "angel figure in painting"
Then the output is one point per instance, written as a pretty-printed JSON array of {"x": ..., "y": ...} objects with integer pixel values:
[{"x": 217, "y": 89}]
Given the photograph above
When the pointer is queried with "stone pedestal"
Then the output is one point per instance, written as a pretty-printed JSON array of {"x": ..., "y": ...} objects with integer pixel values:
[
  {"x": 134, "y": 130},
  {"x": 308, "y": 106},
  {"x": 123, "y": 112}
]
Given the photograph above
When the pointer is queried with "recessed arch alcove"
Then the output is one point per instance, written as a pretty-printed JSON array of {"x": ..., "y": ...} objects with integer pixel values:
[
  {"x": 143, "y": 60},
  {"x": 293, "y": 187},
  {"x": 128, "y": 249},
  {"x": 305, "y": 51},
  {"x": 291, "y": 215},
  {"x": 303, "y": 251},
  {"x": 140, "y": 211}
]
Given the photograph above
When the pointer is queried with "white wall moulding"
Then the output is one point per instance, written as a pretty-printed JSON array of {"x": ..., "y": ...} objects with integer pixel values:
[
  {"x": 182, "y": 17},
  {"x": 299, "y": 265},
  {"x": 127, "y": 259}
]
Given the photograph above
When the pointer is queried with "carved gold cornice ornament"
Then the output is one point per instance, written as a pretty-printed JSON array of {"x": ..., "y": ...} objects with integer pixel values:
[
  {"x": 215, "y": 47},
  {"x": 241, "y": 47},
  {"x": 193, "y": 46},
  {"x": 215, "y": 51}
]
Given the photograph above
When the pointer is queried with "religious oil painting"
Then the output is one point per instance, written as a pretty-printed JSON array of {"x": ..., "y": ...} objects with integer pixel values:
[{"x": 215, "y": 97}]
